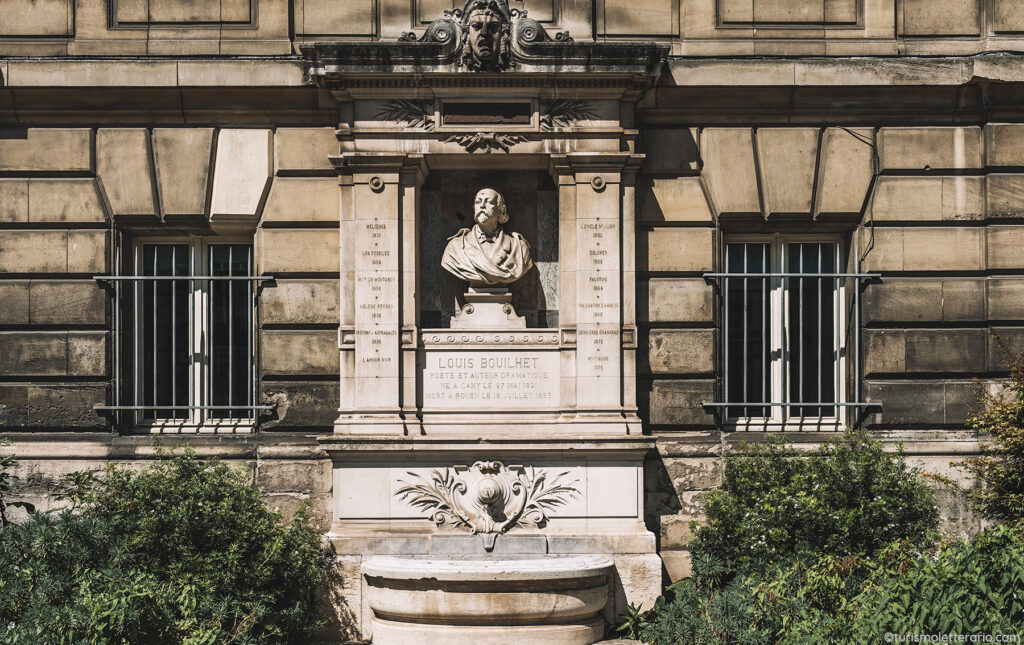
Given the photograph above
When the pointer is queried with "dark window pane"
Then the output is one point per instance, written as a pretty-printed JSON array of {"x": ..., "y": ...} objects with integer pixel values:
[
  {"x": 230, "y": 329},
  {"x": 747, "y": 333},
  {"x": 811, "y": 340},
  {"x": 164, "y": 343}
]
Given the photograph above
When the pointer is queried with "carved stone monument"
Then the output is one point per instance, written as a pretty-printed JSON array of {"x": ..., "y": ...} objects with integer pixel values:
[
  {"x": 484, "y": 449},
  {"x": 487, "y": 257}
]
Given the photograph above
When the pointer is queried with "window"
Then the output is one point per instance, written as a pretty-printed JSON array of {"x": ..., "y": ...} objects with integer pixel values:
[
  {"x": 784, "y": 340},
  {"x": 187, "y": 358}
]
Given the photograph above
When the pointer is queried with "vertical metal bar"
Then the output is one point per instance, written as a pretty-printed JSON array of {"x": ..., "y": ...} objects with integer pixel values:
[
  {"x": 250, "y": 303},
  {"x": 136, "y": 333},
  {"x": 231, "y": 329},
  {"x": 156, "y": 271},
  {"x": 117, "y": 327},
  {"x": 856, "y": 328},
  {"x": 819, "y": 284},
  {"x": 192, "y": 399},
  {"x": 837, "y": 340},
  {"x": 174, "y": 330},
  {"x": 725, "y": 325},
  {"x": 765, "y": 352},
  {"x": 746, "y": 320},
  {"x": 800, "y": 323}
]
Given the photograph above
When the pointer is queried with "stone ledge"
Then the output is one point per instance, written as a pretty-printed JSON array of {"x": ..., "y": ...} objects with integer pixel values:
[{"x": 156, "y": 72}]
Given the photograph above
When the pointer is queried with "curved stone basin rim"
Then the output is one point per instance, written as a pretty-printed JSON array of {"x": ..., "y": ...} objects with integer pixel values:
[{"x": 454, "y": 569}]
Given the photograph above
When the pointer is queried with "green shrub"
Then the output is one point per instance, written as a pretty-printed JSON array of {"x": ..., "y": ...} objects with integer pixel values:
[
  {"x": 8, "y": 482},
  {"x": 847, "y": 496},
  {"x": 1001, "y": 470},
  {"x": 183, "y": 552}
]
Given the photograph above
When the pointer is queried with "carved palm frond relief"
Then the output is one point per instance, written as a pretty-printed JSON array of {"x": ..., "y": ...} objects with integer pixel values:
[
  {"x": 438, "y": 496},
  {"x": 414, "y": 113},
  {"x": 565, "y": 113}
]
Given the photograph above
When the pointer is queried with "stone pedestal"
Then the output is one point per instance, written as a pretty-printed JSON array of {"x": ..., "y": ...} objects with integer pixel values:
[{"x": 488, "y": 308}]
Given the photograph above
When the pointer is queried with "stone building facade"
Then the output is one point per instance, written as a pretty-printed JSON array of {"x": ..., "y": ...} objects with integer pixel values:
[{"x": 813, "y": 202}]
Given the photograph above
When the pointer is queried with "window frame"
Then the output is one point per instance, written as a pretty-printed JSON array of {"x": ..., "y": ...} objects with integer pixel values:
[
  {"x": 778, "y": 313},
  {"x": 200, "y": 351}
]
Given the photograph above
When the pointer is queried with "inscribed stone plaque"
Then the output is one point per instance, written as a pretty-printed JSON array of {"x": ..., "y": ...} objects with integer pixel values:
[{"x": 478, "y": 380}]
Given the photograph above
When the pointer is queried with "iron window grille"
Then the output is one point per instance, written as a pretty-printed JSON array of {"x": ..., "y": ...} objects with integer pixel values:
[
  {"x": 790, "y": 326},
  {"x": 186, "y": 313}
]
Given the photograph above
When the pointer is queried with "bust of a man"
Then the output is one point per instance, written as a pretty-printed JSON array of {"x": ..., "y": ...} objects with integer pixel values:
[{"x": 487, "y": 254}]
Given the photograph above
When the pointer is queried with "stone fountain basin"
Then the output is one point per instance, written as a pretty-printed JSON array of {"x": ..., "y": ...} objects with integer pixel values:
[{"x": 485, "y": 599}]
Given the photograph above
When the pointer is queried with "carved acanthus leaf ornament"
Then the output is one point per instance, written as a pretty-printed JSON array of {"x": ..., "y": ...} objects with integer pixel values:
[{"x": 488, "y": 498}]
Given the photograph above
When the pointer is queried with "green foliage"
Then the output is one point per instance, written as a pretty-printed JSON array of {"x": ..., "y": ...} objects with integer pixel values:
[
  {"x": 847, "y": 496},
  {"x": 8, "y": 482},
  {"x": 1001, "y": 469},
  {"x": 183, "y": 552}
]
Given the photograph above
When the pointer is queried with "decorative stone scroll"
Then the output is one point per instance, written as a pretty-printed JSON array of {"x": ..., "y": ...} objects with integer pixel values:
[
  {"x": 488, "y": 498},
  {"x": 485, "y": 35}
]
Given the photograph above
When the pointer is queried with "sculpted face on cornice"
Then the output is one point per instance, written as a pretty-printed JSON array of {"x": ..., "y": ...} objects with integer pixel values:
[{"x": 485, "y": 35}]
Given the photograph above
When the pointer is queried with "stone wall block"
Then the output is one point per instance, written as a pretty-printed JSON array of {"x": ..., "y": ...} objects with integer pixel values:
[
  {"x": 885, "y": 351},
  {"x": 930, "y": 148},
  {"x": 1004, "y": 343},
  {"x": 123, "y": 164},
  {"x": 15, "y": 299},
  {"x": 940, "y": 18},
  {"x": 182, "y": 158},
  {"x": 33, "y": 353},
  {"x": 680, "y": 351},
  {"x": 787, "y": 159},
  {"x": 729, "y": 170},
  {"x": 882, "y": 249},
  {"x": 675, "y": 300},
  {"x": 60, "y": 406},
  {"x": 1006, "y": 16},
  {"x": 292, "y": 353},
  {"x": 1005, "y": 196},
  {"x": 14, "y": 200},
  {"x": 34, "y": 252},
  {"x": 1006, "y": 298},
  {"x": 274, "y": 476},
  {"x": 946, "y": 350},
  {"x": 676, "y": 199},
  {"x": 943, "y": 249},
  {"x": 1004, "y": 142},
  {"x": 64, "y": 200},
  {"x": 86, "y": 252},
  {"x": 87, "y": 353},
  {"x": 47, "y": 150},
  {"x": 670, "y": 150},
  {"x": 327, "y": 17},
  {"x": 907, "y": 403},
  {"x": 301, "y": 404},
  {"x": 1006, "y": 247},
  {"x": 929, "y": 199},
  {"x": 37, "y": 18},
  {"x": 241, "y": 173},
  {"x": 303, "y": 200},
  {"x": 298, "y": 251},
  {"x": 677, "y": 249},
  {"x": 694, "y": 474},
  {"x": 300, "y": 302},
  {"x": 845, "y": 171},
  {"x": 963, "y": 300},
  {"x": 66, "y": 302},
  {"x": 678, "y": 402},
  {"x": 305, "y": 150}
]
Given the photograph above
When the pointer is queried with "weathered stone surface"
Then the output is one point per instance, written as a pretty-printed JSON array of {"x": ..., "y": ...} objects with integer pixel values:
[
  {"x": 37, "y": 18},
  {"x": 43, "y": 149},
  {"x": 1004, "y": 344},
  {"x": 64, "y": 200},
  {"x": 1004, "y": 144},
  {"x": 1005, "y": 195},
  {"x": 946, "y": 350},
  {"x": 1006, "y": 16},
  {"x": 923, "y": 249},
  {"x": 787, "y": 159},
  {"x": 675, "y": 300},
  {"x": 87, "y": 353},
  {"x": 300, "y": 150},
  {"x": 300, "y": 302},
  {"x": 652, "y": 18},
  {"x": 33, "y": 353},
  {"x": 325, "y": 17},
  {"x": 921, "y": 403},
  {"x": 305, "y": 352},
  {"x": 303, "y": 200},
  {"x": 670, "y": 150},
  {"x": 929, "y": 199},
  {"x": 64, "y": 302},
  {"x": 56, "y": 406},
  {"x": 318, "y": 508},
  {"x": 729, "y": 171},
  {"x": 13, "y": 200},
  {"x": 678, "y": 199},
  {"x": 182, "y": 158},
  {"x": 925, "y": 299},
  {"x": 123, "y": 166},
  {"x": 14, "y": 296},
  {"x": 680, "y": 351},
  {"x": 1005, "y": 247},
  {"x": 677, "y": 249},
  {"x": 285, "y": 251},
  {"x": 846, "y": 170},
  {"x": 307, "y": 476},
  {"x": 885, "y": 351},
  {"x": 34, "y": 252},
  {"x": 86, "y": 251},
  {"x": 678, "y": 402},
  {"x": 1006, "y": 298},
  {"x": 241, "y": 173},
  {"x": 931, "y": 148},
  {"x": 940, "y": 18},
  {"x": 689, "y": 474}
]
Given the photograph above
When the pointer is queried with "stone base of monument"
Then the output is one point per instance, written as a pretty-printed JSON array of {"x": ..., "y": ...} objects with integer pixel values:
[
  {"x": 476, "y": 601},
  {"x": 487, "y": 308}
]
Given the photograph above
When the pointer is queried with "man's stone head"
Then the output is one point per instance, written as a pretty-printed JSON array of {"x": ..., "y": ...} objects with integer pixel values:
[
  {"x": 489, "y": 211},
  {"x": 484, "y": 34}
]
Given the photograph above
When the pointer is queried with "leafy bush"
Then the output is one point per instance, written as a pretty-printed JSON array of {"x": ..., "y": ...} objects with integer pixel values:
[
  {"x": 184, "y": 551},
  {"x": 1001, "y": 469},
  {"x": 8, "y": 481},
  {"x": 847, "y": 496}
]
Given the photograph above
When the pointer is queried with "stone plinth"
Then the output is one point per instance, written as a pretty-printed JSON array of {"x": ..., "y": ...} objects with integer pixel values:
[{"x": 488, "y": 308}]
